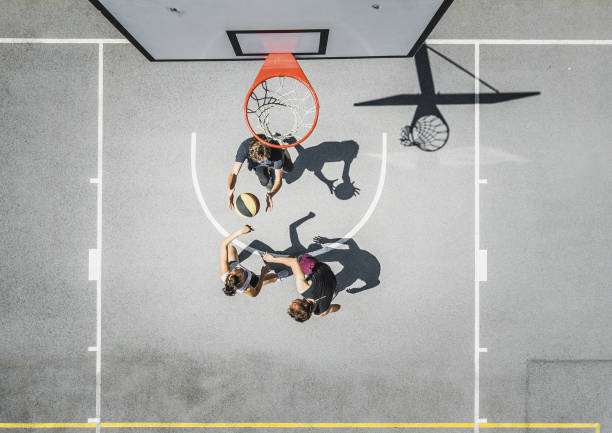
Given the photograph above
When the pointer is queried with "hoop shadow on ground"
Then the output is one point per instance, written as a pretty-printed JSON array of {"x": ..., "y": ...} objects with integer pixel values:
[
  {"x": 428, "y": 129},
  {"x": 314, "y": 158},
  {"x": 357, "y": 264}
]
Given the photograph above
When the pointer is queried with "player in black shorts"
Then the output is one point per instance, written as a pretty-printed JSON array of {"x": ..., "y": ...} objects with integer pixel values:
[{"x": 269, "y": 164}]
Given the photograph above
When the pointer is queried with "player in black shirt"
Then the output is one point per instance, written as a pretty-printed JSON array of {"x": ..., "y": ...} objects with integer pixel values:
[
  {"x": 269, "y": 164},
  {"x": 315, "y": 281}
]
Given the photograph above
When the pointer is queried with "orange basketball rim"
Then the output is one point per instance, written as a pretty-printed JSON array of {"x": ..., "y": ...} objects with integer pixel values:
[{"x": 284, "y": 112}]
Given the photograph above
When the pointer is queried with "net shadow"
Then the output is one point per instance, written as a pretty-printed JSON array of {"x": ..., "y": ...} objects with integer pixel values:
[{"x": 428, "y": 129}]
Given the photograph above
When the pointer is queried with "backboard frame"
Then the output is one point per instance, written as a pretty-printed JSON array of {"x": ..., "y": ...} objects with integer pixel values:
[
  {"x": 300, "y": 56},
  {"x": 233, "y": 37}
]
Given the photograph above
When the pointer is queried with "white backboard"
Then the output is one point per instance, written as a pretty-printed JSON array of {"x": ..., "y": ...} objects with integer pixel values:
[{"x": 244, "y": 29}]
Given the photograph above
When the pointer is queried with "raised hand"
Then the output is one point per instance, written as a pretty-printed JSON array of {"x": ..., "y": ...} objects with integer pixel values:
[
  {"x": 245, "y": 229},
  {"x": 269, "y": 204},
  {"x": 265, "y": 270}
]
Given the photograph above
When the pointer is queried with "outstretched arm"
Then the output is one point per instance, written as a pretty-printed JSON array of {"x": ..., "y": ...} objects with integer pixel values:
[
  {"x": 278, "y": 182},
  {"x": 223, "y": 262},
  {"x": 231, "y": 184},
  {"x": 300, "y": 279},
  {"x": 254, "y": 291}
]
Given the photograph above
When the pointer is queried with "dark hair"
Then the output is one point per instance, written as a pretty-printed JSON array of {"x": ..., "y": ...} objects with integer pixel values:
[
  {"x": 231, "y": 282},
  {"x": 257, "y": 150},
  {"x": 300, "y": 309}
]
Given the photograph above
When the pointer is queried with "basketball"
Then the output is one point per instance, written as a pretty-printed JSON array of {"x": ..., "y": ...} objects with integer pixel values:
[{"x": 247, "y": 205}]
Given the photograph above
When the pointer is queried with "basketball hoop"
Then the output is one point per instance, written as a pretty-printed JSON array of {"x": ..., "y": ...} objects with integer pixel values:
[{"x": 281, "y": 104}]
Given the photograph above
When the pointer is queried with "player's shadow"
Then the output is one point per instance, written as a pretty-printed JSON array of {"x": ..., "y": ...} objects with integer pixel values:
[
  {"x": 357, "y": 264},
  {"x": 314, "y": 158}
]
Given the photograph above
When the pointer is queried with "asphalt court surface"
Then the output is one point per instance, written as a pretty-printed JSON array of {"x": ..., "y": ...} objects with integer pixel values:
[
  {"x": 556, "y": 201},
  {"x": 157, "y": 316},
  {"x": 48, "y": 313},
  {"x": 175, "y": 349}
]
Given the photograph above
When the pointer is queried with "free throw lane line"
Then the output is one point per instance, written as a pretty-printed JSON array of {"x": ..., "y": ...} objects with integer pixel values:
[{"x": 99, "y": 235}]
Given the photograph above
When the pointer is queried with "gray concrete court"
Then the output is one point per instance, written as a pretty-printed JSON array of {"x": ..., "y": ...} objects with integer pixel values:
[{"x": 175, "y": 349}]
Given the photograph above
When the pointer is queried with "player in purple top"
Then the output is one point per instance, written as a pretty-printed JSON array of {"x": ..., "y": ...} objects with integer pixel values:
[{"x": 315, "y": 281}]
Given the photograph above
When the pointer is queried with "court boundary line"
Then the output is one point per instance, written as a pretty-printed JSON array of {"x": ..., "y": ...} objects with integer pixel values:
[
  {"x": 476, "y": 237},
  {"x": 476, "y": 424},
  {"x": 366, "y": 216},
  {"x": 519, "y": 41},
  {"x": 61, "y": 41},
  {"x": 297, "y": 425},
  {"x": 98, "y": 391}
]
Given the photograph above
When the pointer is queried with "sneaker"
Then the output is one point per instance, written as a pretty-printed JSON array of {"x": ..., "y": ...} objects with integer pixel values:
[{"x": 282, "y": 275}]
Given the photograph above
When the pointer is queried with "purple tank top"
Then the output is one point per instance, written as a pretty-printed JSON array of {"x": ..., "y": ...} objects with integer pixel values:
[{"x": 307, "y": 262}]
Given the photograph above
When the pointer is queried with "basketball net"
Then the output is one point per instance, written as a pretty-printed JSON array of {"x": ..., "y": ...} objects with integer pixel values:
[{"x": 281, "y": 108}]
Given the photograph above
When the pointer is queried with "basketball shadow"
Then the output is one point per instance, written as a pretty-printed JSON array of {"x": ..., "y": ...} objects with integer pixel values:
[
  {"x": 357, "y": 264},
  {"x": 314, "y": 158}
]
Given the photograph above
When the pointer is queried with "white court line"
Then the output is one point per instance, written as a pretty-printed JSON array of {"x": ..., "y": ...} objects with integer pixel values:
[
  {"x": 94, "y": 264},
  {"x": 476, "y": 237},
  {"x": 519, "y": 41},
  {"x": 482, "y": 265},
  {"x": 196, "y": 186},
  {"x": 99, "y": 233},
  {"x": 61, "y": 41},
  {"x": 344, "y": 239}
]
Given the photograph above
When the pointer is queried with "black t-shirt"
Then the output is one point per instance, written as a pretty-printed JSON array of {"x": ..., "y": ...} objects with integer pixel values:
[
  {"x": 322, "y": 287},
  {"x": 276, "y": 157}
]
